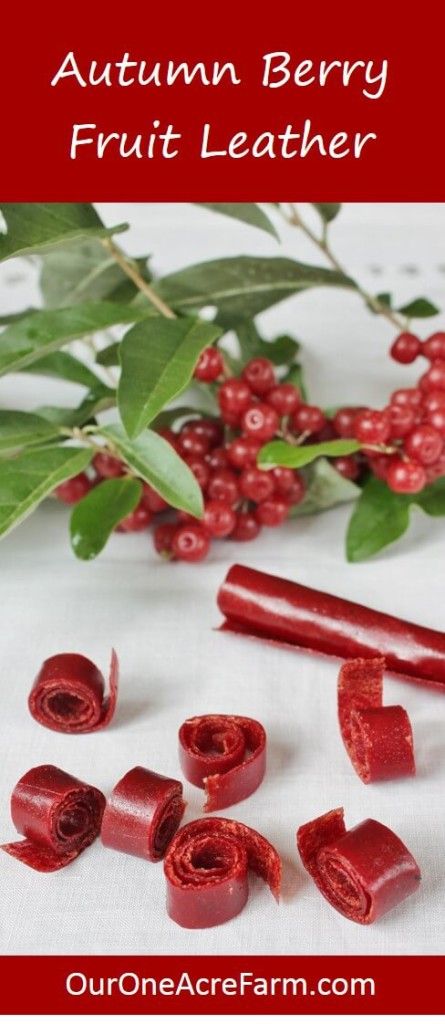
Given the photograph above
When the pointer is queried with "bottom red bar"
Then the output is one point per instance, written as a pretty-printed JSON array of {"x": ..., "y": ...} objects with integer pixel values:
[{"x": 222, "y": 984}]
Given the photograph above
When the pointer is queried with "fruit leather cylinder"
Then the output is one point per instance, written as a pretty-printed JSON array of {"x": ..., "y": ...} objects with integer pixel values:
[
  {"x": 280, "y": 610},
  {"x": 142, "y": 814}
]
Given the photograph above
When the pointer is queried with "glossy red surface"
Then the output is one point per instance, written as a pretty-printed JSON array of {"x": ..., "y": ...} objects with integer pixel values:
[
  {"x": 225, "y": 755},
  {"x": 142, "y": 814},
  {"x": 68, "y": 694},
  {"x": 206, "y": 867},
  {"x": 363, "y": 873},
  {"x": 378, "y": 739},
  {"x": 280, "y": 610},
  {"x": 58, "y": 815}
]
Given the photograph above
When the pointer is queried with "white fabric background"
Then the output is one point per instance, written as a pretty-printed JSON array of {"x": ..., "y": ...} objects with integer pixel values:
[{"x": 160, "y": 618}]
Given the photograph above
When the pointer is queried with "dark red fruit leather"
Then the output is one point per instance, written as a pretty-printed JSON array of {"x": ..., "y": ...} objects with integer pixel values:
[
  {"x": 206, "y": 867},
  {"x": 142, "y": 814},
  {"x": 279, "y": 610},
  {"x": 378, "y": 739},
  {"x": 68, "y": 694},
  {"x": 364, "y": 872},
  {"x": 225, "y": 755},
  {"x": 58, "y": 815}
]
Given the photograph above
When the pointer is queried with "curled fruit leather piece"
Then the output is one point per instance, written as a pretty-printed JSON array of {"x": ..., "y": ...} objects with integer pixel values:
[
  {"x": 378, "y": 739},
  {"x": 225, "y": 755},
  {"x": 58, "y": 815},
  {"x": 206, "y": 867},
  {"x": 279, "y": 610},
  {"x": 142, "y": 814},
  {"x": 68, "y": 694},
  {"x": 363, "y": 873}
]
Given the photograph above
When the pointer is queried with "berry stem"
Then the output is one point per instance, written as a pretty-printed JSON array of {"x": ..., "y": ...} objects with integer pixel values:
[
  {"x": 294, "y": 218},
  {"x": 129, "y": 268}
]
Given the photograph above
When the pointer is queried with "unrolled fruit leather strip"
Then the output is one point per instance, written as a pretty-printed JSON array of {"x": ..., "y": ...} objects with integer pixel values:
[
  {"x": 276, "y": 609},
  {"x": 58, "y": 815},
  {"x": 68, "y": 694},
  {"x": 142, "y": 814},
  {"x": 363, "y": 873},
  {"x": 378, "y": 739},
  {"x": 206, "y": 867},
  {"x": 225, "y": 755}
]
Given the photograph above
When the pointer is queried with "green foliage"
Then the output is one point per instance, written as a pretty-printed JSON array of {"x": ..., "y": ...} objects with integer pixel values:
[{"x": 95, "y": 517}]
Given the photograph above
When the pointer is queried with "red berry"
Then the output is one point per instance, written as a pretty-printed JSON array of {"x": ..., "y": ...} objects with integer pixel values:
[
  {"x": 284, "y": 398},
  {"x": 347, "y": 466},
  {"x": 296, "y": 493},
  {"x": 163, "y": 537},
  {"x": 152, "y": 500},
  {"x": 170, "y": 436},
  {"x": 344, "y": 419},
  {"x": 219, "y": 518},
  {"x": 223, "y": 486},
  {"x": 217, "y": 459},
  {"x": 406, "y": 348},
  {"x": 434, "y": 378},
  {"x": 199, "y": 469},
  {"x": 256, "y": 484},
  {"x": 246, "y": 527},
  {"x": 234, "y": 396},
  {"x": 309, "y": 419},
  {"x": 283, "y": 478},
  {"x": 407, "y": 396},
  {"x": 260, "y": 421},
  {"x": 405, "y": 477},
  {"x": 272, "y": 512},
  {"x": 379, "y": 464},
  {"x": 193, "y": 442},
  {"x": 107, "y": 466},
  {"x": 434, "y": 400},
  {"x": 402, "y": 418},
  {"x": 209, "y": 366},
  {"x": 437, "y": 419},
  {"x": 139, "y": 519},
  {"x": 372, "y": 427},
  {"x": 73, "y": 490},
  {"x": 433, "y": 472},
  {"x": 328, "y": 432},
  {"x": 260, "y": 375},
  {"x": 243, "y": 451},
  {"x": 190, "y": 543},
  {"x": 213, "y": 430},
  {"x": 424, "y": 444},
  {"x": 434, "y": 347}
]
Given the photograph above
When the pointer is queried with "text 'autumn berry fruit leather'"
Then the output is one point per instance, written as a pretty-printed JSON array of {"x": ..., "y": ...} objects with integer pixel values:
[
  {"x": 58, "y": 815},
  {"x": 142, "y": 814},
  {"x": 363, "y": 873},
  {"x": 68, "y": 694},
  {"x": 225, "y": 755},
  {"x": 378, "y": 739},
  {"x": 279, "y": 610},
  {"x": 206, "y": 867}
]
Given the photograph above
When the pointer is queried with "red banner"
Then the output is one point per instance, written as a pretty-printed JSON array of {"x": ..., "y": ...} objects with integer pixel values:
[
  {"x": 179, "y": 103},
  {"x": 225, "y": 984}
]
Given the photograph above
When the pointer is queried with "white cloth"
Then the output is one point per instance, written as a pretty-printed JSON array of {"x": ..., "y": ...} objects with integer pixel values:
[{"x": 160, "y": 618}]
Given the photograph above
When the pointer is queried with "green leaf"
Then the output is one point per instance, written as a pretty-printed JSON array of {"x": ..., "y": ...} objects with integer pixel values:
[
  {"x": 325, "y": 489},
  {"x": 64, "y": 366},
  {"x": 93, "y": 403},
  {"x": 83, "y": 271},
  {"x": 432, "y": 498},
  {"x": 42, "y": 333},
  {"x": 153, "y": 459},
  {"x": 249, "y": 213},
  {"x": 242, "y": 286},
  {"x": 168, "y": 417},
  {"x": 280, "y": 351},
  {"x": 18, "y": 429},
  {"x": 26, "y": 480},
  {"x": 95, "y": 517},
  {"x": 158, "y": 359},
  {"x": 327, "y": 211},
  {"x": 35, "y": 226},
  {"x": 282, "y": 453},
  {"x": 10, "y": 318},
  {"x": 109, "y": 356},
  {"x": 419, "y": 308},
  {"x": 380, "y": 517},
  {"x": 384, "y": 299}
]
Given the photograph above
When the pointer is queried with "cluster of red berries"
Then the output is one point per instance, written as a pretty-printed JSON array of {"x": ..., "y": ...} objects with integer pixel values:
[{"x": 403, "y": 444}]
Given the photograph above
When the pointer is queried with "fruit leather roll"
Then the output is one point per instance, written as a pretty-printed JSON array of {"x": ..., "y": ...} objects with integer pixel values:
[
  {"x": 280, "y": 610},
  {"x": 142, "y": 814},
  {"x": 206, "y": 867},
  {"x": 58, "y": 815},
  {"x": 225, "y": 755},
  {"x": 68, "y": 694}
]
